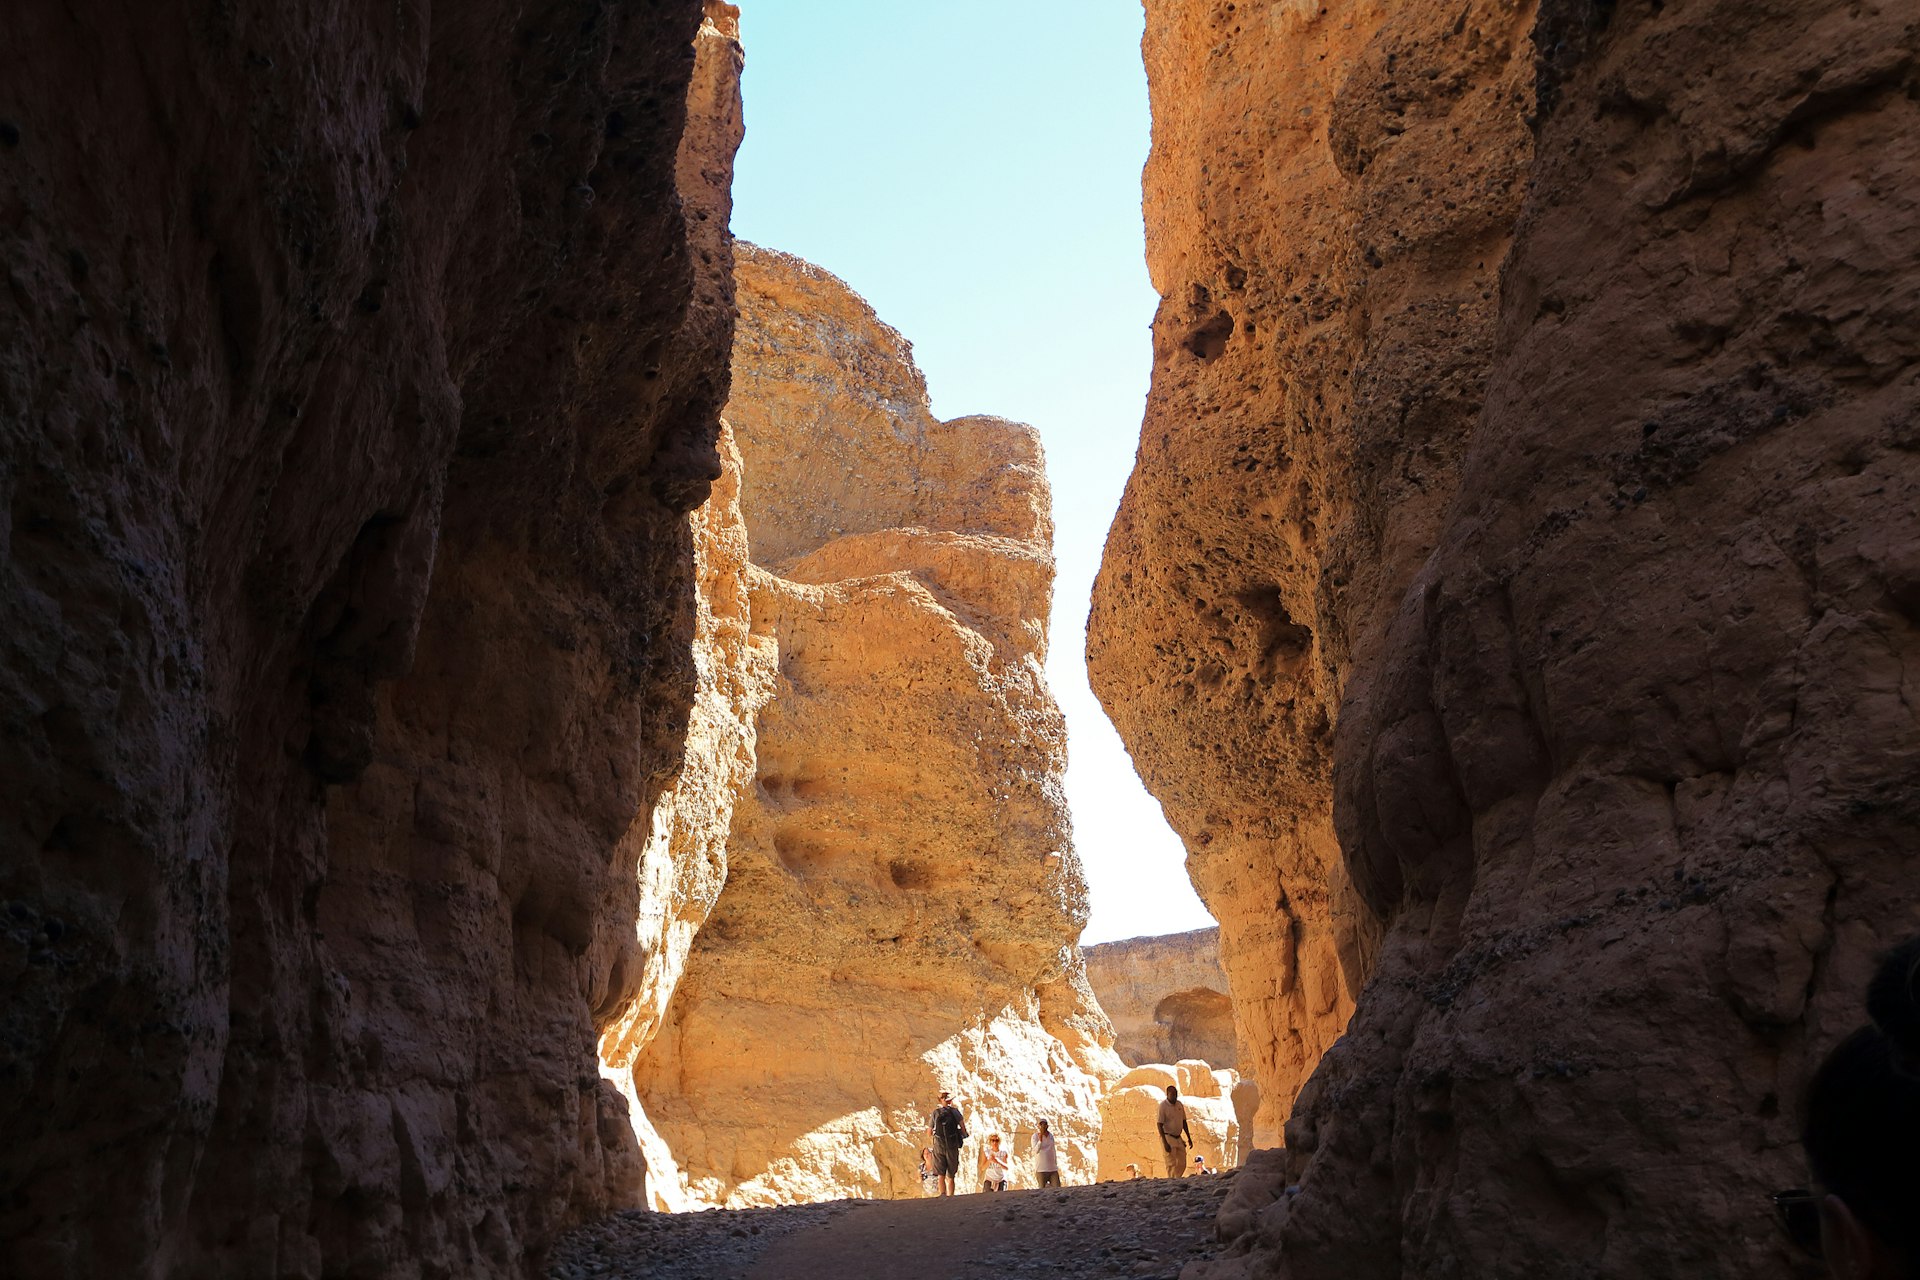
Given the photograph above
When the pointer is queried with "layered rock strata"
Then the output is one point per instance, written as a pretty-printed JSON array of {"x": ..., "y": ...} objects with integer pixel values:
[
  {"x": 1622, "y": 744},
  {"x": 902, "y": 893},
  {"x": 1166, "y": 996},
  {"x": 359, "y": 375},
  {"x": 1328, "y": 200}
]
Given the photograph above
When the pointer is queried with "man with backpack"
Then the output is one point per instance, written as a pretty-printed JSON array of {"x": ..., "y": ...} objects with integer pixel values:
[{"x": 949, "y": 1130}]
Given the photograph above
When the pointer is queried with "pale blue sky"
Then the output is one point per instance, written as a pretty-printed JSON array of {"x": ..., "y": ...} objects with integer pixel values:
[{"x": 973, "y": 170}]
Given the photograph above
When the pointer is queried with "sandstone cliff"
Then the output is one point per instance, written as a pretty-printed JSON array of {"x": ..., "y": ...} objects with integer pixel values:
[
  {"x": 1327, "y": 202},
  {"x": 1166, "y": 996},
  {"x": 358, "y": 377},
  {"x": 902, "y": 893},
  {"x": 1592, "y": 621}
]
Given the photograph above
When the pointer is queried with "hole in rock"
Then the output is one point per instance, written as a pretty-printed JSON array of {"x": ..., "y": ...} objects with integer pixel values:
[
  {"x": 1284, "y": 643},
  {"x": 803, "y": 857},
  {"x": 1209, "y": 339},
  {"x": 905, "y": 875}
]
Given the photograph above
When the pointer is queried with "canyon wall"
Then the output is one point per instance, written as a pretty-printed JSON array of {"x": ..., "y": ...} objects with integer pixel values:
[
  {"x": 359, "y": 374},
  {"x": 1166, "y": 997},
  {"x": 1327, "y": 200},
  {"x": 902, "y": 893},
  {"x": 1620, "y": 724}
]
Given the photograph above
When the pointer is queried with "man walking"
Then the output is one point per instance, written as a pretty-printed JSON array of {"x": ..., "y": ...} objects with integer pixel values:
[
  {"x": 949, "y": 1130},
  {"x": 1175, "y": 1136}
]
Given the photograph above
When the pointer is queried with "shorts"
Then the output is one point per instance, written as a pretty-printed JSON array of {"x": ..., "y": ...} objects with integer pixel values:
[
  {"x": 1049, "y": 1177},
  {"x": 946, "y": 1161}
]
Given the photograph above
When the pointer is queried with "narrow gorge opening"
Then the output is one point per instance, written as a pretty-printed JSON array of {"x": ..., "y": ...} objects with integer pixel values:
[
  {"x": 533, "y": 710},
  {"x": 881, "y": 756}
]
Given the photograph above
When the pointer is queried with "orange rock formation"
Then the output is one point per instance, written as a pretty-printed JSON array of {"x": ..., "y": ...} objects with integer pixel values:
[
  {"x": 1527, "y": 494},
  {"x": 1328, "y": 200},
  {"x": 902, "y": 893},
  {"x": 1166, "y": 996}
]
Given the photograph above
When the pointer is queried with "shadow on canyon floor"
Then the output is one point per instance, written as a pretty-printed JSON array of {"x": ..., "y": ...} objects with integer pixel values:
[{"x": 1147, "y": 1228}]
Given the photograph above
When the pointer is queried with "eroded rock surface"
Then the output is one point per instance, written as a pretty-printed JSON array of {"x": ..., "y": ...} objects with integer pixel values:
[
  {"x": 902, "y": 893},
  {"x": 1166, "y": 996},
  {"x": 1622, "y": 732},
  {"x": 1130, "y": 1120},
  {"x": 1328, "y": 200},
  {"x": 359, "y": 374}
]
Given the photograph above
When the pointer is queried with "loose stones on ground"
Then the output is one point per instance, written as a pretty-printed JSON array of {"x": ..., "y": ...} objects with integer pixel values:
[{"x": 1145, "y": 1228}]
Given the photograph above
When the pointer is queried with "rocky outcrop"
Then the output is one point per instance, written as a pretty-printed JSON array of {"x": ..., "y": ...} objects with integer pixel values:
[
  {"x": 683, "y": 859},
  {"x": 359, "y": 376},
  {"x": 1130, "y": 1143},
  {"x": 1327, "y": 201},
  {"x": 902, "y": 893},
  {"x": 1166, "y": 996},
  {"x": 1620, "y": 735}
]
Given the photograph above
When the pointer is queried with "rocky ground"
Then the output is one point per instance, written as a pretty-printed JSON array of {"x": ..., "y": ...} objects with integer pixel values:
[{"x": 1147, "y": 1228}]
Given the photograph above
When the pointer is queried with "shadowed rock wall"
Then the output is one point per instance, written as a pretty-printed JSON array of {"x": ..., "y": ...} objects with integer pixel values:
[
  {"x": 1625, "y": 768},
  {"x": 902, "y": 893},
  {"x": 357, "y": 378},
  {"x": 1166, "y": 996}
]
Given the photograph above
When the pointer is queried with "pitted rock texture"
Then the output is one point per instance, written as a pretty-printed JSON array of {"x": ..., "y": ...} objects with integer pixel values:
[
  {"x": 1166, "y": 997},
  {"x": 902, "y": 893},
  {"x": 1329, "y": 195},
  {"x": 683, "y": 861},
  {"x": 359, "y": 375},
  {"x": 1626, "y": 769}
]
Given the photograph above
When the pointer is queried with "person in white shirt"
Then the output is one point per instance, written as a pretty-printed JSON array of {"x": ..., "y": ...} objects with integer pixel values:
[
  {"x": 1046, "y": 1161},
  {"x": 1175, "y": 1134},
  {"x": 994, "y": 1163}
]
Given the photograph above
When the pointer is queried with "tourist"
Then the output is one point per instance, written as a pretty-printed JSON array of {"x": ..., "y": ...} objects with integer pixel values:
[
  {"x": 1862, "y": 1139},
  {"x": 929, "y": 1174},
  {"x": 994, "y": 1164},
  {"x": 1046, "y": 1161},
  {"x": 949, "y": 1130},
  {"x": 1175, "y": 1136}
]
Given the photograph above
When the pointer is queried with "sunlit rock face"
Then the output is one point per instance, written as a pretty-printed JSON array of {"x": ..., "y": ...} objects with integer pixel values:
[
  {"x": 359, "y": 375},
  {"x": 1622, "y": 744},
  {"x": 1166, "y": 996},
  {"x": 1130, "y": 1145},
  {"x": 902, "y": 893},
  {"x": 1328, "y": 200}
]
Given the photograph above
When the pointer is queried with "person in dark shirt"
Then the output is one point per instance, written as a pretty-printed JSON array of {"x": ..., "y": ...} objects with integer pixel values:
[
  {"x": 1862, "y": 1139},
  {"x": 949, "y": 1130}
]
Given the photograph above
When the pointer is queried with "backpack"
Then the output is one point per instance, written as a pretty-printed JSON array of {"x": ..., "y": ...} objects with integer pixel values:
[{"x": 948, "y": 1128}]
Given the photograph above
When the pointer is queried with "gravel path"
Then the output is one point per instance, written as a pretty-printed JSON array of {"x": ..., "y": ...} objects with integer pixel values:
[{"x": 1143, "y": 1230}]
